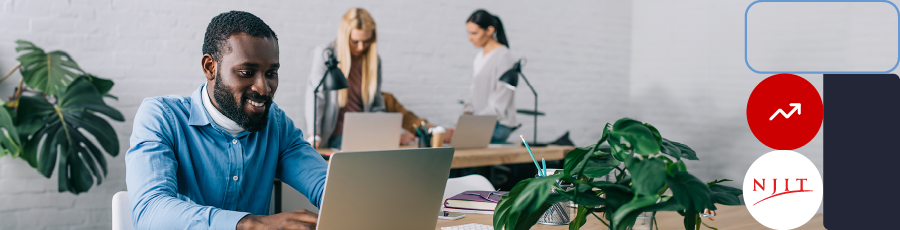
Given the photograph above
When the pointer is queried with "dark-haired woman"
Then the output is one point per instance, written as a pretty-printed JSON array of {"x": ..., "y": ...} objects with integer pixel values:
[{"x": 487, "y": 95}]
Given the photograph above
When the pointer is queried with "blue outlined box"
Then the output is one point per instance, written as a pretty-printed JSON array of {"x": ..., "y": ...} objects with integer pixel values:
[{"x": 811, "y": 54}]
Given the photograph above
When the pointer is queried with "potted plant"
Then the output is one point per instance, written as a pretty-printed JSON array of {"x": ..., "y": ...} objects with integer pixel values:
[
  {"x": 647, "y": 165},
  {"x": 47, "y": 124}
]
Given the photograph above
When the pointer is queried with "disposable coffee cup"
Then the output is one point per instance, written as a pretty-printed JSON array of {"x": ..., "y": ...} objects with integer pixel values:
[{"x": 437, "y": 136}]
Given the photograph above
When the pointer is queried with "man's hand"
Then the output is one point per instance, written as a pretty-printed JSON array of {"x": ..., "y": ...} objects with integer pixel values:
[
  {"x": 406, "y": 137},
  {"x": 448, "y": 135},
  {"x": 298, "y": 219}
]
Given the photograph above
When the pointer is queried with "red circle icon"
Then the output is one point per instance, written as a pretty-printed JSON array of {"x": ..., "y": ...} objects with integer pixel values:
[{"x": 784, "y": 112}]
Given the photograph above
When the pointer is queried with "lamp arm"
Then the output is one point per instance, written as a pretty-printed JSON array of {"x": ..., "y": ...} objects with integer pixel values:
[
  {"x": 316, "y": 106},
  {"x": 535, "y": 104},
  {"x": 529, "y": 85}
]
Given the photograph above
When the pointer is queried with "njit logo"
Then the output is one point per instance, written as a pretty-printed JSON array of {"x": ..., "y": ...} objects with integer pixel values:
[
  {"x": 782, "y": 189},
  {"x": 774, "y": 186}
]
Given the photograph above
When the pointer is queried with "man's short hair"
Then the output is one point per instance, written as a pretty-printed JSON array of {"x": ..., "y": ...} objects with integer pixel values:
[{"x": 233, "y": 22}]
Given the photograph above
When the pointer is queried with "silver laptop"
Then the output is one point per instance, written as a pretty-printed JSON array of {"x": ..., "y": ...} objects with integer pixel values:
[
  {"x": 371, "y": 131},
  {"x": 473, "y": 132},
  {"x": 386, "y": 189}
]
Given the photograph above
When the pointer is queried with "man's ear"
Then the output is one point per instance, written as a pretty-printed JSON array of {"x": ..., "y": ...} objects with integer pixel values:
[{"x": 209, "y": 67}]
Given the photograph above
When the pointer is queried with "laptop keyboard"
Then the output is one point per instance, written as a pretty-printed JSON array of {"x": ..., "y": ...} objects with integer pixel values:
[{"x": 472, "y": 226}]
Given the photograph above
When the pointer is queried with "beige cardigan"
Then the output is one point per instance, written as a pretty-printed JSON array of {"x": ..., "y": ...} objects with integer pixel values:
[{"x": 489, "y": 96}]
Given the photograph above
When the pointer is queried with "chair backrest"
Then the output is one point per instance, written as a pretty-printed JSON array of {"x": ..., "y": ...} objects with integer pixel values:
[
  {"x": 473, "y": 182},
  {"x": 121, "y": 212}
]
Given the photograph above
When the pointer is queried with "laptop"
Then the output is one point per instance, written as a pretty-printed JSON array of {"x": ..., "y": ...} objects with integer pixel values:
[
  {"x": 473, "y": 132},
  {"x": 385, "y": 189},
  {"x": 371, "y": 131}
]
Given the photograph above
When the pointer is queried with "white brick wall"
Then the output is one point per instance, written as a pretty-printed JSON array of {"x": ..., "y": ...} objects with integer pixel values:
[
  {"x": 688, "y": 77},
  {"x": 578, "y": 59}
]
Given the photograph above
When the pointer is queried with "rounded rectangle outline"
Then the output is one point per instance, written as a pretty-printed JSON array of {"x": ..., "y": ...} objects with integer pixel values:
[{"x": 747, "y": 62}]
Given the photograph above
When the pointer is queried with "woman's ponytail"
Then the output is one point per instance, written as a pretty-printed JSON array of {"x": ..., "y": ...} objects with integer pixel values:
[
  {"x": 484, "y": 19},
  {"x": 498, "y": 31}
]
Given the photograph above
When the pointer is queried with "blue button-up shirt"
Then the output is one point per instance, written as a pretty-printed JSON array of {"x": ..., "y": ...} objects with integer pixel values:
[{"x": 185, "y": 172}]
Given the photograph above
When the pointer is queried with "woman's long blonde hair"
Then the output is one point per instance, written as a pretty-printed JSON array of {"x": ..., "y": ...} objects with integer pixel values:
[{"x": 358, "y": 18}]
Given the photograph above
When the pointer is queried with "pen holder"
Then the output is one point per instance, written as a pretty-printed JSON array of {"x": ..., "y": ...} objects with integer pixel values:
[
  {"x": 423, "y": 142},
  {"x": 557, "y": 214}
]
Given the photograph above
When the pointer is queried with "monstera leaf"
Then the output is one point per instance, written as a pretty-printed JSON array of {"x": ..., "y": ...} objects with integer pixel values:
[
  {"x": 9, "y": 136},
  {"x": 56, "y": 135},
  {"x": 103, "y": 85},
  {"x": 48, "y": 72}
]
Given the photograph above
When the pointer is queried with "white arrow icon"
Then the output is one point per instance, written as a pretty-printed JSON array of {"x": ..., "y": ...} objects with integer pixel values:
[{"x": 787, "y": 115}]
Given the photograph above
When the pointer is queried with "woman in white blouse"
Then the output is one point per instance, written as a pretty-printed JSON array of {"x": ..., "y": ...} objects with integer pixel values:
[{"x": 487, "y": 95}]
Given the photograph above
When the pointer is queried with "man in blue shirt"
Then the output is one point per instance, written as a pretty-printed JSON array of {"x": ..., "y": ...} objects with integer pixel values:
[{"x": 208, "y": 161}]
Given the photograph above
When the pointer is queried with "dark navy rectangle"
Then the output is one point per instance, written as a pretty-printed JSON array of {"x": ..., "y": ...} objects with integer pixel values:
[{"x": 862, "y": 151}]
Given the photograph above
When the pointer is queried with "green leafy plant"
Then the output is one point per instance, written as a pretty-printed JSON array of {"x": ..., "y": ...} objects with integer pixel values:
[
  {"x": 647, "y": 166},
  {"x": 48, "y": 127}
]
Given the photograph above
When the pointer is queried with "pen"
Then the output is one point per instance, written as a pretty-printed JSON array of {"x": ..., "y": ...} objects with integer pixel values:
[
  {"x": 544, "y": 165},
  {"x": 531, "y": 154}
]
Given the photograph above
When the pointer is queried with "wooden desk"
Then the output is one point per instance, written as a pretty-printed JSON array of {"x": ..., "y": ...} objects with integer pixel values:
[
  {"x": 729, "y": 217},
  {"x": 465, "y": 158}
]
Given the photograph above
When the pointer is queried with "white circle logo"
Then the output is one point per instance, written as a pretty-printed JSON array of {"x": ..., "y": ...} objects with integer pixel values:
[{"x": 782, "y": 189}]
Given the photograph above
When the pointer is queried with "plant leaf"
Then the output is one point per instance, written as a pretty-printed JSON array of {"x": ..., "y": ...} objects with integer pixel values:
[
  {"x": 604, "y": 135},
  {"x": 580, "y": 218},
  {"x": 63, "y": 130},
  {"x": 631, "y": 208},
  {"x": 47, "y": 72},
  {"x": 600, "y": 163},
  {"x": 690, "y": 220},
  {"x": 103, "y": 85},
  {"x": 9, "y": 136},
  {"x": 574, "y": 158},
  {"x": 655, "y": 133},
  {"x": 638, "y": 136},
  {"x": 676, "y": 167},
  {"x": 726, "y": 189},
  {"x": 588, "y": 199},
  {"x": 726, "y": 195},
  {"x": 684, "y": 151},
  {"x": 669, "y": 149},
  {"x": 717, "y": 181},
  {"x": 690, "y": 192},
  {"x": 616, "y": 196},
  {"x": 525, "y": 203},
  {"x": 664, "y": 205},
  {"x": 648, "y": 176}
]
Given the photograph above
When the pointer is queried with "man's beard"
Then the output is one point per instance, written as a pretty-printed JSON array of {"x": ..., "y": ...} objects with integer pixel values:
[{"x": 234, "y": 110}]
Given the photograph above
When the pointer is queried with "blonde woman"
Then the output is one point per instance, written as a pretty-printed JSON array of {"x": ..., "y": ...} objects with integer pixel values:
[{"x": 356, "y": 48}]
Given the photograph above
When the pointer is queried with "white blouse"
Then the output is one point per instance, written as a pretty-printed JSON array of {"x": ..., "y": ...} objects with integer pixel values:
[{"x": 487, "y": 95}]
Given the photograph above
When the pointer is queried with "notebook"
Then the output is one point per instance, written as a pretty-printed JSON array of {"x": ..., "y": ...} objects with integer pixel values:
[{"x": 474, "y": 200}]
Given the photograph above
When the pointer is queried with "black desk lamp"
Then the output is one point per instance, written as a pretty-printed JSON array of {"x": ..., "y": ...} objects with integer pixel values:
[
  {"x": 511, "y": 78},
  {"x": 332, "y": 80}
]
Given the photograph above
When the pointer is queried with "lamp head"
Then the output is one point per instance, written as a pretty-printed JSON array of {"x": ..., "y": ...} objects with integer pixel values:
[
  {"x": 335, "y": 79},
  {"x": 511, "y": 76}
]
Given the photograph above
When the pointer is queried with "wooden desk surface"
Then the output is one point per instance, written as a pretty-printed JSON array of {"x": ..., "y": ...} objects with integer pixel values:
[
  {"x": 464, "y": 158},
  {"x": 729, "y": 217}
]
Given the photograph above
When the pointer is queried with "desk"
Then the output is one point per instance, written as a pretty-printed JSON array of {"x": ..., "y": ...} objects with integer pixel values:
[
  {"x": 465, "y": 158},
  {"x": 729, "y": 217}
]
